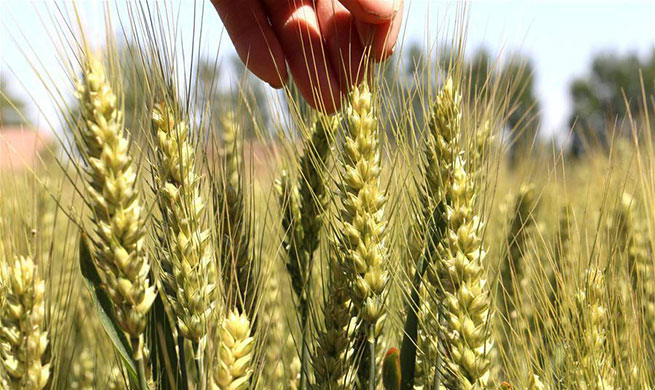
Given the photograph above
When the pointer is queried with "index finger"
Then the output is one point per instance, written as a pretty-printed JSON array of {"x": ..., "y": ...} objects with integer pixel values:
[{"x": 255, "y": 42}]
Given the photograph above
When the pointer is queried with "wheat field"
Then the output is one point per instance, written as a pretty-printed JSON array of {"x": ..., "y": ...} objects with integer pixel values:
[{"x": 191, "y": 244}]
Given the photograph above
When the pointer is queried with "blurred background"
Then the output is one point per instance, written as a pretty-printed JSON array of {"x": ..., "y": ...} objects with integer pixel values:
[{"x": 581, "y": 64}]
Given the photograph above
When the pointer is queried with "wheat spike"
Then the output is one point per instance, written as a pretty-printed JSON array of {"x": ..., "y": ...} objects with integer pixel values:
[
  {"x": 362, "y": 226},
  {"x": 332, "y": 355},
  {"x": 83, "y": 375},
  {"x": 594, "y": 364},
  {"x": 185, "y": 270},
  {"x": 456, "y": 271},
  {"x": 114, "y": 198},
  {"x": 303, "y": 204},
  {"x": 513, "y": 303},
  {"x": 640, "y": 263},
  {"x": 461, "y": 273},
  {"x": 362, "y": 242},
  {"x": 273, "y": 326},
  {"x": 237, "y": 264},
  {"x": 535, "y": 383},
  {"x": 116, "y": 380},
  {"x": 234, "y": 367},
  {"x": 23, "y": 336}
]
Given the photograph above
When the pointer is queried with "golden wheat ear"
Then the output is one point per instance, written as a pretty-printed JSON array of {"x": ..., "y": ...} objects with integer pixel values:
[
  {"x": 23, "y": 335},
  {"x": 185, "y": 268},
  {"x": 234, "y": 367},
  {"x": 117, "y": 249}
]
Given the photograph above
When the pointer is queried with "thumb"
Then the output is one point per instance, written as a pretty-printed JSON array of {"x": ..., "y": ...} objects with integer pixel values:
[{"x": 372, "y": 11}]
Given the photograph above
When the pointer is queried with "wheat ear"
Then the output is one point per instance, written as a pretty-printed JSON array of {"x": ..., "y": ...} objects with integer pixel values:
[
  {"x": 23, "y": 337},
  {"x": 114, "y": 198},
  {"x": 593, "y": 363},
  {"x": 457, "y": 273},
  {"x": 332, "y": 355},
  {"x": 185, "y": 270},
  {"x": 535, "y": 383},
  {"x": 83, "y": 371},
  {"x": 515, "y": 307},
  {"x": 237, "y": 265},
  {"x": 361, "y": 239},
  {"x": 235, "y": 357},
  {"x": 441, "y": 146},
  {"x": 116, "y": 380},
  {"x": 303, "y": 205},
  {"x": 640, "y": 263}
]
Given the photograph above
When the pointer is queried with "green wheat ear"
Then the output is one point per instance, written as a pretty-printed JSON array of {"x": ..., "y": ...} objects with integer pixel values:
[
  {"x": 238, "y": 268},
  {"x": 303, "y": 202}
]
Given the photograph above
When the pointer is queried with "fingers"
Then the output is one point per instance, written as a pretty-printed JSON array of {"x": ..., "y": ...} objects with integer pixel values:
[
  {"x": 381, "y": 37},
  {"x": 296, "y": 25},
  {"x": 343, "y": 45},
  {"x": 254, "y": 40},
  {"x": 371, "y": 11}
]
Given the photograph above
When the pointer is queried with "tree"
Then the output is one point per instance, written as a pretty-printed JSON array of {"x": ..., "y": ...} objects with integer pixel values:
[
  {"x": 598, "y": 97},
  {"x": 524, "y": 108},
  {"x": 512, "y": 81},
  {"x": 12, "y": 108},
  {"x": 516, "y": 87}
]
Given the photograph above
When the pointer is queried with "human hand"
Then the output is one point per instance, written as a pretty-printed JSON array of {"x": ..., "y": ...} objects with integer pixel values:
[{"x": 323, "y": 41}]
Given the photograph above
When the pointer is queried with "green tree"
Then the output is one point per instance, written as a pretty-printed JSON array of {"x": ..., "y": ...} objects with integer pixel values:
[
  {"x": 524, "y": 108},
  {"x": 600, "y": 97},
  {"x": 12, "y": 108},
  {"x": 512, "y": 81},
  {"x": 516, "y": 86}
]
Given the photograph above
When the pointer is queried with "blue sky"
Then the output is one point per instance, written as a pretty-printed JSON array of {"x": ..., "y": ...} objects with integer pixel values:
[{"x": 560, "y": 36}]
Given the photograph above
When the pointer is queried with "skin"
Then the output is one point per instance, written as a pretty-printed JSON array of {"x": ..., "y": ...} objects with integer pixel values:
[{"x": 322, "y": 44}]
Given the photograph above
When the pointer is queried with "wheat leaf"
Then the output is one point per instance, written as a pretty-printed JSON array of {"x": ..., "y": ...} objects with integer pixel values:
[{"x": 103, "y": 307}]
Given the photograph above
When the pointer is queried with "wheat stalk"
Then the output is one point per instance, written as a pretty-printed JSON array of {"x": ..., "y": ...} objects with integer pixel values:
[{"x": 23, "y": 336}]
